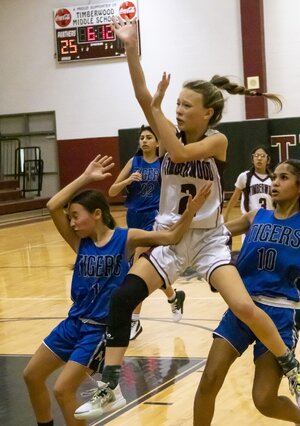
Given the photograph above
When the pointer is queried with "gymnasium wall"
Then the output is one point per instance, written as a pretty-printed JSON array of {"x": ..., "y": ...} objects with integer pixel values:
[
  {"x": 92, "y": 100},
  {"x": 282, "y": 136},
  {"x": 75, "y": 154}
]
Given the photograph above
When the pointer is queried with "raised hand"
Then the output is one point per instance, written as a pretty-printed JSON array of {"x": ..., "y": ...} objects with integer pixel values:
[
  {"x": 98, "y": 168},
  {"x": 194, "y": 204},
  {"x": 125, "y": 31},
  {"x": 161, "y": 90}
]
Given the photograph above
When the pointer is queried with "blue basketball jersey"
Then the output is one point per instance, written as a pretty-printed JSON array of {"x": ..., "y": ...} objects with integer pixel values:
[
  {"x": 271, "y": 249},
  {"x": 97, "y": 272},
  {"x": 145, "y": 194}
]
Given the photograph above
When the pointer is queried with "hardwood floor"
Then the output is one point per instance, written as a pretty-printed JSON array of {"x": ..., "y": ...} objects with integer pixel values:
[{"x": 35, "y": 265}]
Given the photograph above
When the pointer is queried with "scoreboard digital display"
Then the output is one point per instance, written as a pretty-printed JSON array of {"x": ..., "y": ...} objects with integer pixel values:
[{"x": 84, "y": 32}]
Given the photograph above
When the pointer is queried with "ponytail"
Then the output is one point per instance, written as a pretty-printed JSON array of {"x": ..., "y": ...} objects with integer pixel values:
[
  {"x": 224, "y": 83},
  {"x": 211, "y": 92},
  {"x": 246, "y": 190}
]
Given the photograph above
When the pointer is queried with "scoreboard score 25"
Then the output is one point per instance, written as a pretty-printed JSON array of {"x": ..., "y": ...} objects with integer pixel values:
[{"x": 84, "y": 33}]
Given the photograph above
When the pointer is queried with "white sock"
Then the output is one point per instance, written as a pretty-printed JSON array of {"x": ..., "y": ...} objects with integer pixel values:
[{"x": 135, "y": 317}]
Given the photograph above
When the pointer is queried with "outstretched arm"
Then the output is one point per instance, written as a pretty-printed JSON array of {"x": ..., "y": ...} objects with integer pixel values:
[
  {"x": 127, "y": 33},
  {"x": 97, "y": 170},
  {"x": 231, "y": 203},
  {"x": 242, "y": 224},
  {"x": 138, "y": 237}
]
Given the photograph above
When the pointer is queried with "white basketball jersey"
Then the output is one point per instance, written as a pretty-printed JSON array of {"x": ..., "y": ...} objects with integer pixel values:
[
  {"x": 259, "y": 191},
  {"x": 181, "y": 179}
]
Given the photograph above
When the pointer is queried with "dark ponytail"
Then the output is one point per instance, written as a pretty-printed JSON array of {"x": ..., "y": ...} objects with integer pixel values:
[{"x": 246, "y": 190}]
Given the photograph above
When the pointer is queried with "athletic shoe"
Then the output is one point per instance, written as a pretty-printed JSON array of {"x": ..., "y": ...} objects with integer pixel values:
[
  {"x": 135, "y": 329},
  {"x": 291, "y": 369},
  {"x": 177, "y": 306},
  {"x": 294, "y": 383},
  {"x": 105, "y": 400}
]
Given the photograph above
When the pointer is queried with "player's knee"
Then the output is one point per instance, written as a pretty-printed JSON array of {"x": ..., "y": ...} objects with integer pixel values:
[
  {"x": 210, "y": 383},
  {"x": 264, "y": 403},
  {"x": 58, "y": 392},
  {"x": 31, "y": 376},
  {"x": 63, "y": 391},
  {"x": 245, "y": 311},
  {"x": 124, "y": 300},
  {"x": 27, "y": 376}
]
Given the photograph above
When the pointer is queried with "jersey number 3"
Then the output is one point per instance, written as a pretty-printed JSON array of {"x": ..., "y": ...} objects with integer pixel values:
[{"x": 263, "y": 202}]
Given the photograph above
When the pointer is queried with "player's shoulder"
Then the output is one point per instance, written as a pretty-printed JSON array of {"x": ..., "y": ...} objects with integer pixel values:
[
  {"x": 214, "y": 132},
  {"x": 244, "y": 174},
  {"x": 263, "y": 214}
]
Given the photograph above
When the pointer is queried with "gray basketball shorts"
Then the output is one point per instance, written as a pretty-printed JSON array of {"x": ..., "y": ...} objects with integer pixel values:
[{"x": 202, "y": 249}]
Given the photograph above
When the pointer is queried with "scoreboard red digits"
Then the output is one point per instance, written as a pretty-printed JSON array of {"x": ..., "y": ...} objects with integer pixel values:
[
  {"x": 91, "y": 35},
  {"x": 68, "y": 46},
  {"x": 107, "y": 33},
  {"x": 95, "y": 33},
  {"x": 84, "y": 32}
]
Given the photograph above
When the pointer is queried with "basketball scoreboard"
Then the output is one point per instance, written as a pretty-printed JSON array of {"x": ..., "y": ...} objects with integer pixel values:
[{"x": 84, "y": 33}]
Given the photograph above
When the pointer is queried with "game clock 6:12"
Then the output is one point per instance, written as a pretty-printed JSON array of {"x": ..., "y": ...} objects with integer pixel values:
[{"x": 95, "y": 33}]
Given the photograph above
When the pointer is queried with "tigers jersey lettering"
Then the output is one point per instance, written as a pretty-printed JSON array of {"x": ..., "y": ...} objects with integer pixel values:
[
  {"x": 144, "y": 194},
  {"x": 271, "y": 252},
  {"x": 97, "y": 272}
]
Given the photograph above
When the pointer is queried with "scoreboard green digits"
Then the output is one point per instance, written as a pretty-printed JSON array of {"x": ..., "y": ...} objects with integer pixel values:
[{"x": 84, "y": 33}]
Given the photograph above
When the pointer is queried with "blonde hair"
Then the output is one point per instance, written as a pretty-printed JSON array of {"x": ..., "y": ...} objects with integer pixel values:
[{"x": 211, "y": 92}]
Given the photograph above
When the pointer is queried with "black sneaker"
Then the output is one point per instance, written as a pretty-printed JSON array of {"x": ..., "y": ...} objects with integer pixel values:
[{"x": 177, "y": 305}]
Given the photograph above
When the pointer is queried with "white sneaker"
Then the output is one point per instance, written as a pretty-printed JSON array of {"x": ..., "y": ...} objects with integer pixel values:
[
  {"x": 177, "y": 305},
  {"x": 294, "y": 383},
  {"x": 104, "y": 400},
  {"x": 135, "y": 329}
]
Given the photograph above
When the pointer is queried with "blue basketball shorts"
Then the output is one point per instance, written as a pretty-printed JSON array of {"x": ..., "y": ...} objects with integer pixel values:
[
  {"x": 78, "y": 341},
  {"x": 141, "y": 219},
  {"x": 239, "y": 335}
]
